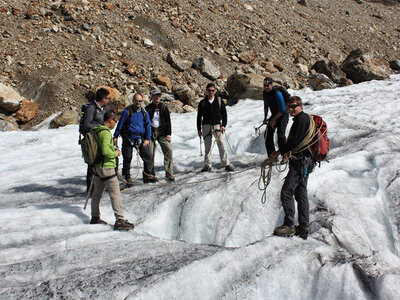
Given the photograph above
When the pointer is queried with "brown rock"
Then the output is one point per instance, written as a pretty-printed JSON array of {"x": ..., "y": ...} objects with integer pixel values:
[
  {"x": 241, "y": 86},
  {"x": 27, "y": 111},
  {"x": 109, "y": 6},
  {"x": 163, "y": 80},
  {"x": 132, "y": 69},
  {"x": 68, "y": 117},
  {"x": 276, "y": 64},
  {"x": 113, "y": 92},
  {"x": 247, "y": 57}
]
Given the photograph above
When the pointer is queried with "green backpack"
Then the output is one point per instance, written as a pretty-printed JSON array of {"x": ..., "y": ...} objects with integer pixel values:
[{"x": 91, "y": 151}]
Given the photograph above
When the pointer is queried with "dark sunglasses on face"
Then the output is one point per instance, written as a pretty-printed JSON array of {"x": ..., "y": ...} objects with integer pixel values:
[
  {"x": 267, "y": 83},
  {"x": 293, "y": 106},
  {"x": 210, "y": 90}
]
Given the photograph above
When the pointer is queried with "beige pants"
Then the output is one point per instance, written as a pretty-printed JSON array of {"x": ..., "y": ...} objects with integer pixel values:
[
  {"x": 166, "y": 150},
  {"x": 208, "y": 132},
  {"x": 112, "y": 186}
]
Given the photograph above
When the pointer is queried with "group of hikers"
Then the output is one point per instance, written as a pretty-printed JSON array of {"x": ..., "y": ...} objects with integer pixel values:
[{"x": 141, "y": 128}]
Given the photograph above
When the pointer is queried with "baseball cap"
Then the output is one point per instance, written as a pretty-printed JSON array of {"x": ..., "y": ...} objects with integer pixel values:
[{"x": 155, "y": 92}]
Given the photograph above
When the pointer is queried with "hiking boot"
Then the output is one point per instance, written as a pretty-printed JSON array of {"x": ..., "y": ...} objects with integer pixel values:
[
  {"x": 229, "y": 168},
  {"x": 149, "y": 179},
  {"x": 121, "y": 224},
  {"x": 206, "y": 169},
  {"x": 284, "y": 230},
  {"x": 129, "y": 182},
  {"x": 97, "y": 220},
  {"x": 302, "y": 232},
  {"x": 170, "y": 177}
]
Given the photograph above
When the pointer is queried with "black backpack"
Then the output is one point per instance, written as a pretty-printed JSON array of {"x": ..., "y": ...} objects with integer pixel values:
[
  {"x": 285, "y": 93},
  {"x": 83, "y": 109}
]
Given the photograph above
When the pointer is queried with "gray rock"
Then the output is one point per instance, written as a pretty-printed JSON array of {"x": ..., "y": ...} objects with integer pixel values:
[
  {"x": 206, "y": 68},
  {"x": 330, "y": 69},
  {"x": 8, "y": 123},
  {"x": 241, "y": 86},
  {"x": 360, "y": 67},
  {"x": 184, "y": 93},
  {"x": 320, "y": 82},
  {"x": 148, "y": 43},
  {"x": 175, "y": 106},
  {"x": 86, "y": 27},
  {"x": 175, "y": 62},
  {"x": 68, "y": 117},
  {"x": 188, "y": 108},
  {"x": 10, "y": 100}
]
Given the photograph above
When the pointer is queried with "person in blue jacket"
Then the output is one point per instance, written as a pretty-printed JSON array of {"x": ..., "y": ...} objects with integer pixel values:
[
  {"x": 275, "y": 102},
  {"x": 135, "y": 128}
]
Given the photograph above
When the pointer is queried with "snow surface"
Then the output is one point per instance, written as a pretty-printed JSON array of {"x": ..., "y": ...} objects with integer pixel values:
[{"x": 208, "y": 236}]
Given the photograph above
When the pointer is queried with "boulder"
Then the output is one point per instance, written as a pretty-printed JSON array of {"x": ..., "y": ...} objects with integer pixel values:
[
  {"x": 345, "y": 82},
  {"x": 184, "y": 93},
  {"x": 27, "y": 111},
  {"x": 320, "y": 81},
  {"x": 360, "y": 67},
  {"x": 206, "y": 68},
  {"x": 247, "y": 57},
  {"x": 163, "y": 80},
  {"x": 68, "y": 117},
  {"x": 330, "y": 69},
  {"x": 179, "y": 64},
  {"x": 188, "y": 108},
  {"x": 10, "y": 100},
  {"x": 175, "y": 106},
  {"x": 395, "y": 64},
  {"x": 8, "y": 123},
  {"x": 241, "y": 86},
  {"x": 113, "y": 92}
]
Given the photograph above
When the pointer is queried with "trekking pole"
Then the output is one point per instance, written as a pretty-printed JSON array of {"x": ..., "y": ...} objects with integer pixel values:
[
  {"x": 201, "y": 152},
  {"x": 257, "y": 129},
  {"x": 89, "y": 192}
]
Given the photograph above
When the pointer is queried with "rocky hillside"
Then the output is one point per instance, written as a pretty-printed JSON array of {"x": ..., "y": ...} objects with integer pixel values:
[{"x": 55, "y": 52}]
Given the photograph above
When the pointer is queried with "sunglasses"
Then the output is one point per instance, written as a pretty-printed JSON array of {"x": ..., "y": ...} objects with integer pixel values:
[
  {"x": 267, "y": 83},
  {"x": 293, "y": 106}
]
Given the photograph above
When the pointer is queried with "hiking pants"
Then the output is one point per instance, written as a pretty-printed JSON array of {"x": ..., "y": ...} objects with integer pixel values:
[
  {"x": 281, "y": 125},
  {"x": 208, "y": 132},
  {"x": 295, "y": 185},
  {"x": 145, "y": 154},
  {"x": 112, "y": 186},
  {"x": 166, "y": 150}
]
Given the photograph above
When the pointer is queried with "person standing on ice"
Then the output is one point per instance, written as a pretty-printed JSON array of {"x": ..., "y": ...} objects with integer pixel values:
[
  {"x": 161, "y": 131},
  {"x": 299, "y": 168},
  {"x": 274, "y": 100},
  {"x": 105, "y": 175},
  {"x": 93, "y": 116},
  {"x": 211, "y": 121}
]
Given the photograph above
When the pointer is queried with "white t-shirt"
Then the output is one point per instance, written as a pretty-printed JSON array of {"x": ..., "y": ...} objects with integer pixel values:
[{"x": 155, "y": 121}]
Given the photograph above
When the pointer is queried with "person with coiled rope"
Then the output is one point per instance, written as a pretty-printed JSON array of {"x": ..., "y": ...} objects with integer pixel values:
[
  {"x": 211, "y": 121},
  {"x": 300, "y": 166}
]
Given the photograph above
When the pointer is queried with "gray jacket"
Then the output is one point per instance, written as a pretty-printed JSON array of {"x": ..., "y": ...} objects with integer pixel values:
[{"x": 92, "y": 117}]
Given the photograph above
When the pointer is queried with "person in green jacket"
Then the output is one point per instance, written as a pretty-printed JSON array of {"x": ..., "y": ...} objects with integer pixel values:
[{"x": 105, "y": 175}]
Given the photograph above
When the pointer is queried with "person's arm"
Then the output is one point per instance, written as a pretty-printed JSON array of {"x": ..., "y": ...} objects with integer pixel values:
[
  {"x": 280, "y": 101},
  {"x": 265, "y": 107},
  {"x": 168, "y": 123},
  {"x": 120, "y": 124},
  {"x": 107, "y": 148},
  {"x": 147, "y": 129},
  {"x": 199, "y": 116}
]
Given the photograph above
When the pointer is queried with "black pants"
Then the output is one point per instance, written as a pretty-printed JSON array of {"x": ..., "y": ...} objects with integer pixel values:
[
  {"x": 295, "y": 184},
  {"x": 145, "y": 154},
  {"x": 281, "y": 125}
]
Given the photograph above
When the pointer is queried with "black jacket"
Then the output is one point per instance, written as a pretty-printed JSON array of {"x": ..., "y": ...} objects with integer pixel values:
[
  {"x": 165, "y": 118},
  {"x": 210, "y": 113},
  {"x": 298, "y": 131},
  {"x": 92, "y": 117}
]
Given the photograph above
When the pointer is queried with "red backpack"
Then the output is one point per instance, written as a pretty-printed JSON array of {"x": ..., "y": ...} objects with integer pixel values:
[{"x": 321, "y": 143}]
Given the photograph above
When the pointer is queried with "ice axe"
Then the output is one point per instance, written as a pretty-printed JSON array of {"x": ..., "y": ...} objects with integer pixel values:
[{"x": 257, "y": 129}]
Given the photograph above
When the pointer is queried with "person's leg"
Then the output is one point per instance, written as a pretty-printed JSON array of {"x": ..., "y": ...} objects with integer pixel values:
[
  {"x": 127, "y": 150},
  {"x": 207, "y": 136},
  {"x": 223, "y": 154},
  {"x": 281, "y": 130},
  {"x": 146, "y": 156},
  {"x": 291, "y": 182},
  {"x": 97, "y": 193},
  {"x": 269, "y": 140},
  {"x": 166, "y": 148},
  {"x": 112, "y": 186},
  {"x": 303, "y": 206},
  {"x": 89, "y": 177}
]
